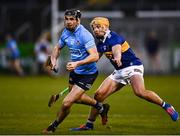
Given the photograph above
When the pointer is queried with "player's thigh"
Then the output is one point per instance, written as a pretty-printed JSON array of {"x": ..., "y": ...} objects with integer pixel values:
[
  {"x": 70, "y": 87},
  {"x": 137, "y": 83},
  {"x": 75, "y": 93},
  {"x": 108, "y": 87}
]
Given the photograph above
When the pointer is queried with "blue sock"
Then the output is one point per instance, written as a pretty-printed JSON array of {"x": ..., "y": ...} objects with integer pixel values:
[
  {"x": 89, "y": 124},
  {"x": 165, "y": 105}
]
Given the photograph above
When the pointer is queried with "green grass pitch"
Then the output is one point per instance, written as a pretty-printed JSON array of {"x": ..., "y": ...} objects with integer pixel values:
[{"x": 24, "y": 110}]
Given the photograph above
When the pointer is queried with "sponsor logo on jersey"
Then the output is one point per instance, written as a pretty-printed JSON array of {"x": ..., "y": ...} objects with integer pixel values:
[
  {"x": 75, "y": 52},
  {"x": 77, "y": 42},
  {"x": 72, "y": 41}
]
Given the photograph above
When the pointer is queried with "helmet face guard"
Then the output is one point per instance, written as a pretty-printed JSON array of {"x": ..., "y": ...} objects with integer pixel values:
[{"x": 74, "y": 13}]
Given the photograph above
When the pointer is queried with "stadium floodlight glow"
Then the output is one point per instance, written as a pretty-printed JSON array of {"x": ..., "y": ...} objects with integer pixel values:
[{"x": 158, "y": 14}]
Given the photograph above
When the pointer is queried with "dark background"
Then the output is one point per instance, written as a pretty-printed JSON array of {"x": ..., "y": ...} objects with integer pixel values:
[{"x": 34, "y": 16}]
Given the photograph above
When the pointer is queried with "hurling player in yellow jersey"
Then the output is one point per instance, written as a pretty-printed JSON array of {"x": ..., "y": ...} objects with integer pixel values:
[{"x": 128, "y": 70}]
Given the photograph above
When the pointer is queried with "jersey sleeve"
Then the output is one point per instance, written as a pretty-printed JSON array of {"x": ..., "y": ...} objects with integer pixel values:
[
  {"x": 99, "y": 48},
  {"x": 116, "y": 39},
  {"x": 88, "y": 40},
  {"x": 61, "y": 42},
  {"x": 62, "y": 39}
]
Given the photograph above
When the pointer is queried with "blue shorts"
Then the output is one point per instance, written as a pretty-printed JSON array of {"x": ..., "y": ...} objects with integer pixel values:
[{"x": 83, "y": 81}]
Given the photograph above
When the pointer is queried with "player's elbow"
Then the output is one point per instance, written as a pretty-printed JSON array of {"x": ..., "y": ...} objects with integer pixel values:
[
  {"x": 95, "y": 57},
  {"x": 56, "y": 51},
  {"x": 56, "y": 48}
]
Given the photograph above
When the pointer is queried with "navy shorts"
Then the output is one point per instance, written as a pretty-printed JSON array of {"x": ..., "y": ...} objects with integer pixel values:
[{"x": 83, "y": 81}]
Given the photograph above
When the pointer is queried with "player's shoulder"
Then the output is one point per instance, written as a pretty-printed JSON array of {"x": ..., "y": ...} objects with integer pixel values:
[
  {"x": 84, "y": 34},
  {"x": 114, "y": 36},
  {"x": 83, "y": 31},
  {"x": 65, "y": 33}
]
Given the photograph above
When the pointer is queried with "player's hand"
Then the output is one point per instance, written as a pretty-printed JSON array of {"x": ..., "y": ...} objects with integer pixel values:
[
  {"x": 117, "y": 61},
  {"x": 71, "y": 65},
  {"x": 48, "y": 63},
  {"x": 53, "y": 62}
]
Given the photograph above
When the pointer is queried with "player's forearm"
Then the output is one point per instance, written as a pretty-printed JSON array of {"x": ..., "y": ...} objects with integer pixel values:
[
  {"x": 117, "y": 55},
  {"x": 56, "y": 52},
  {"x": 89, "y": 59},
  {"x": 117, "y": 52}
]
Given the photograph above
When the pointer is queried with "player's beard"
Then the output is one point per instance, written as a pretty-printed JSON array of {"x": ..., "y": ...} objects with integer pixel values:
[
  {"x": 72, "y": 29},
  {"x": 100, "y": 37}
]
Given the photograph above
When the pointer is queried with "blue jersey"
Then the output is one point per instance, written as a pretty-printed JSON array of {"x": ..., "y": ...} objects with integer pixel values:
[
  {"x": 13, "y": 49},
  {"x": 128, "y": 58},
  {"x": 78, "y": 43}
]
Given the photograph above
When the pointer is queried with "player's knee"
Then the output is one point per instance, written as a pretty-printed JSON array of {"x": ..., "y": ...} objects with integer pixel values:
[
  {"x": 66, "y": 104},
  {"x": 139, "y": 93},
  {"x": 99, "y": 96}
]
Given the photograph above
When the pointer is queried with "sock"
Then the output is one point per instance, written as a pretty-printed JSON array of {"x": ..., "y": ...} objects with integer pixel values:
[
  {"x": 90, "y": 121},
  {"x": 165, "y": 105},
  {"x": 55, "y": 124},
  {"x": 89, "y": 124},
  {"x": 99, "y": 107}
]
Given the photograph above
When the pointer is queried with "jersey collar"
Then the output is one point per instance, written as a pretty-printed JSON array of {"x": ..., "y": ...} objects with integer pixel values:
[
  {"x": 106, "y": 35},
  {"x": 77, "y": 28}
]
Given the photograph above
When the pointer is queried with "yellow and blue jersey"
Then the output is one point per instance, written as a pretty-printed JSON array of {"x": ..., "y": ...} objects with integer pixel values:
[
  {"x": 11, "y": 45},
  {"x": 128, "y": 57},
  {"x": 78, "y": 43}
]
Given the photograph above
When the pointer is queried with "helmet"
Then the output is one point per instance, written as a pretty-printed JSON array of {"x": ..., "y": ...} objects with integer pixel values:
[
  {"x": 100, "y": 21},
  {"x": 73, "y": 12}
]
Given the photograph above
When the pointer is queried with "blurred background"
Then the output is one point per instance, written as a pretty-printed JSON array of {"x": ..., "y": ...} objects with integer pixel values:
[{"x": 151, "y": 27}]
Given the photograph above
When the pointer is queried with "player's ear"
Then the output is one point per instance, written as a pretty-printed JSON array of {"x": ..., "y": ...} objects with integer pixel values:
[{"x": 78, "y": 20}]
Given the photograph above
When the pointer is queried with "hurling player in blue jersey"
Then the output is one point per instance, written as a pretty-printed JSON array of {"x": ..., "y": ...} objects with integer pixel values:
[
  {"x": 82, "y": 67},
  {"x": 128, "y": 70},
  {"x": 14, "y": 54}
]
